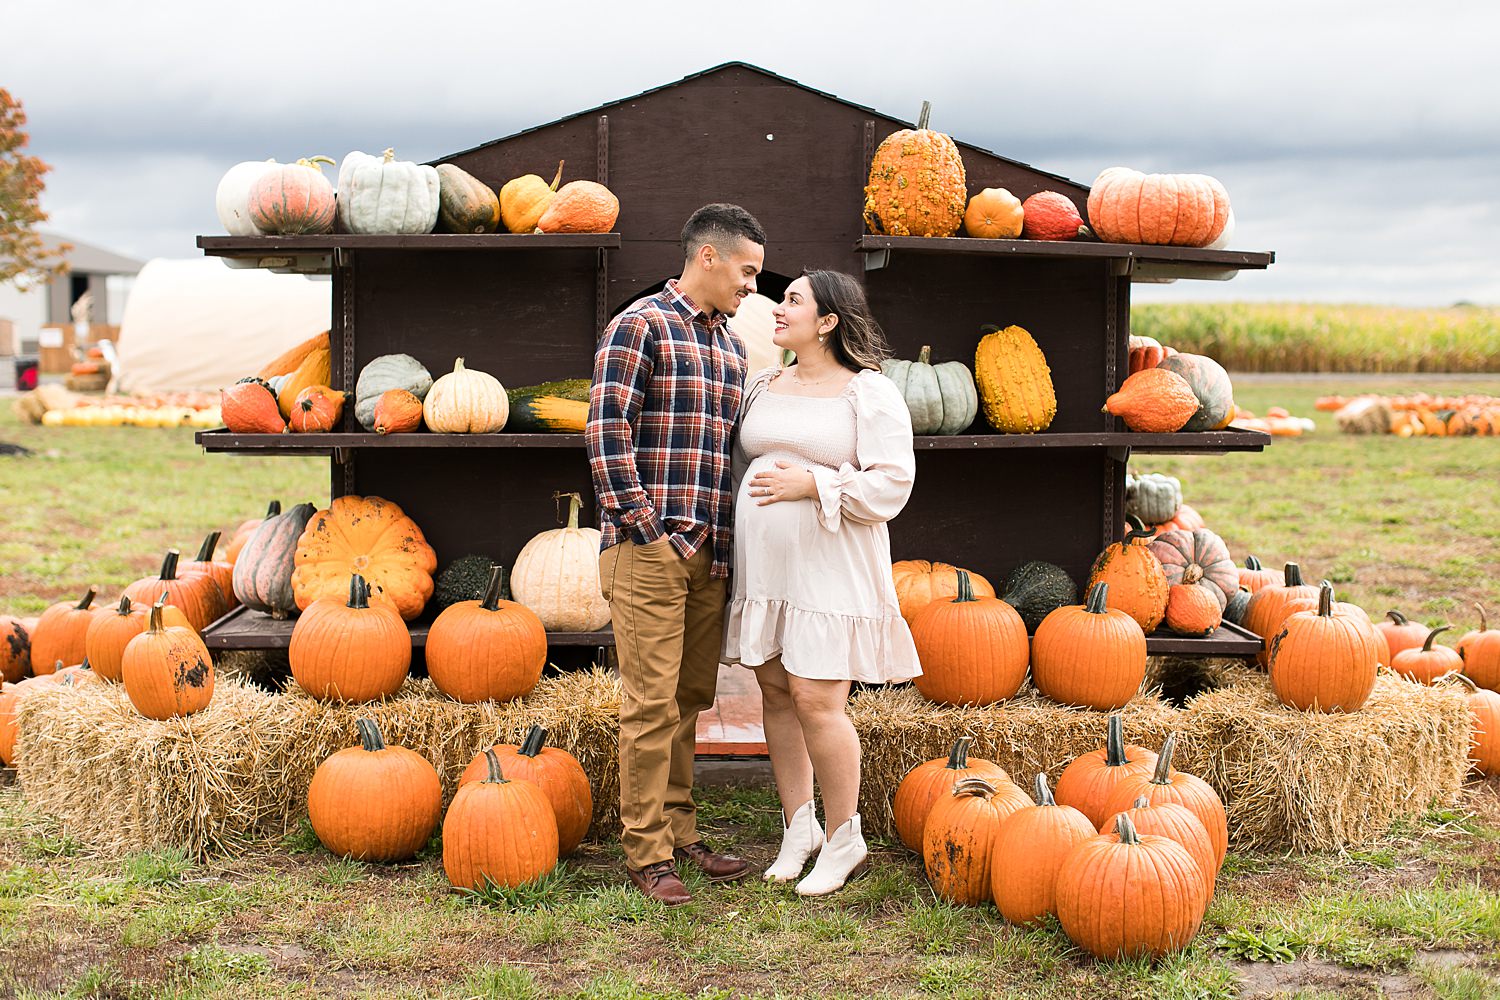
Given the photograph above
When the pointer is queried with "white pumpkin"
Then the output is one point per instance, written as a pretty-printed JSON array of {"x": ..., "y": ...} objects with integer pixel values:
[
  {"x": 557, "y": 576},
  {"x": 466, "y": 401},
  {"x": 232, "y": 199},
  {"x": 380, "y": 194}
]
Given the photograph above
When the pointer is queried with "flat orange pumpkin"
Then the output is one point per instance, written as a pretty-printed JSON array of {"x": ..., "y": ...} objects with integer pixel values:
[{"x": 370, "y": 536}]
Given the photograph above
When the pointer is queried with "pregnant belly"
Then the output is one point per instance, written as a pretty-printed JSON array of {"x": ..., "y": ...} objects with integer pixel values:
[{"x": 781, "y": 522}]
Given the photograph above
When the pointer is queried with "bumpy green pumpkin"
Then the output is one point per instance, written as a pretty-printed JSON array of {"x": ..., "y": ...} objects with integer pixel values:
[
  {"x": 1015, "y": 384},
  {"x": 1210, "y": 383},
  {"x": 1036, "y": 589},
  {"x": 389, "y": 371},
  {"x": 942, "y": 398},
  {"x": 1154, "y": 498},
  {"x": 466, "y": 579},
  {"x": 465, "y": 203}
]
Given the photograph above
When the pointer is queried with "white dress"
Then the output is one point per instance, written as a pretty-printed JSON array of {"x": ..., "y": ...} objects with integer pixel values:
[{"x": 812, "y": 578}]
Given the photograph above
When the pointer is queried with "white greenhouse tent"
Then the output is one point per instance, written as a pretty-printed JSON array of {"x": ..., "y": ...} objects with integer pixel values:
[{"x": 197, "y": 324}]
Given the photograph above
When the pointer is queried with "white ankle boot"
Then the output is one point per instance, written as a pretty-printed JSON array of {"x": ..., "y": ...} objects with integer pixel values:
[
  {"x": 799, "y": 841},
  {"x": 843, "y": 857}
]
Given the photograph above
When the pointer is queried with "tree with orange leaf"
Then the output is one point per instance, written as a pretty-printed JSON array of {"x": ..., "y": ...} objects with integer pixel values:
[{"x": 22, "y": 253}]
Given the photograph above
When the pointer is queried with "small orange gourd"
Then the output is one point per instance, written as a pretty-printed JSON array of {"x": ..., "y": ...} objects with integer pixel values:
[{"x": 1153, "y": 400}]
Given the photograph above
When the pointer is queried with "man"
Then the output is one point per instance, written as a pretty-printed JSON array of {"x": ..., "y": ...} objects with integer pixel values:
[{"x": 668, "y": 377}]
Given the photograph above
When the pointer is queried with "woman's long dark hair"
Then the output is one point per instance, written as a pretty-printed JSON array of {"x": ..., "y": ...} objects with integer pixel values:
[{"x": 857, "y": 341}]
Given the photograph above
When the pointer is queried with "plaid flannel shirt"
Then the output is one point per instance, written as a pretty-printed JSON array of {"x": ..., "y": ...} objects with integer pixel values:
[{"x": 668, "y": 378}]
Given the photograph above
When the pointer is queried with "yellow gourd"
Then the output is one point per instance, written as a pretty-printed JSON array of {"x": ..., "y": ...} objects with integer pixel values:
[
  {"x": 1015, "y": 384},
  {"x": 314, "y": 369}
]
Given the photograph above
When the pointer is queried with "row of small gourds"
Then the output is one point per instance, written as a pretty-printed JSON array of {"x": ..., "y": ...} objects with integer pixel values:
[
  {"x": 396, "y": 394},
  {"x": 518, "y": 808},
  {"x": 1416, "y": 416},
  {"x": 917, "y": 187},
  {"x": 1117, "y": 810},
  {"x": 1167, "y": 390},
  {"x": 383, "y": 195}
]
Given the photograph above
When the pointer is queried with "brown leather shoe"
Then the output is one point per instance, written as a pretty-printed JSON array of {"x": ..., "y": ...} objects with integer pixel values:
[
  {"x": 718, "y": 867},
  {"x": 661, "y": 883}
]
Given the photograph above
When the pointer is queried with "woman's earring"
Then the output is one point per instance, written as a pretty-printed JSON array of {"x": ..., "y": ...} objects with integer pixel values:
[{"x": 822, "y": 337}]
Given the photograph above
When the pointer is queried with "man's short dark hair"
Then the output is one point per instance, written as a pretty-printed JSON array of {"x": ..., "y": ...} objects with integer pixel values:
[{"x": 720, "y": 224}]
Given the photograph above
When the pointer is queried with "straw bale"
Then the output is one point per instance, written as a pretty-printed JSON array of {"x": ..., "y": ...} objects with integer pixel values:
[
  {"x": 1309, "y": 781},
  {"x": 1180, "y": 677},
  {"x": 899, "y": 729},
  {"x": 237, "y": 772}
]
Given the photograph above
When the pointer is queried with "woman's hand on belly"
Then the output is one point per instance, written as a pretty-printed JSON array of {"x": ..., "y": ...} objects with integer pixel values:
[{"x": 785, "y": 482}]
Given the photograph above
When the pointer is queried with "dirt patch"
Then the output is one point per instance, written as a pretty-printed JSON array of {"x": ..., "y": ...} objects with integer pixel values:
[{"x": 1264, "y": 980}]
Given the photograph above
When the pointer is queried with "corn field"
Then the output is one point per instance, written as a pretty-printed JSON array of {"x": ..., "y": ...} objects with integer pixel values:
[{"x": 1299, "y": 337}]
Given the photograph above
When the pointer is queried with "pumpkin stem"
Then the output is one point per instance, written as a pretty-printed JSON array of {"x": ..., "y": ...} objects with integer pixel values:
[
  {"x": 206, "y": 551},
  {"x": 1483, "y": 625},
  {"x": 574, "y": 502},
  {"x": 1163, "y": 773},
  {"x": 536, "y": 739},
  {"x": 1137, "y": 529},
  {"x": 1192, "y": 574},
  {"x": 274, "y": 508},
  {"x": 1427, "y": 646},
  {"x": 924, "y": 356},
  {"x": 494, "y": 777},
  {"x": 1325, "y": 600},
  {"x": 1097, "y": 593},
  {"x": 1141, "y": 802},
  {"x": 1252, "y": 563},
  {"x": 169, "y": 565},
  {"x": 359, "y": 592},
  {"x": 390, "y": 154},
  {"x": 458, "y": 365},
  {"x": 558, "y": 179},
  {"x": 1293, "y": 575},
  {"x": 974, "y": 785},
  {"x": 87, "y": 599},
  {"x": 124, "y": 607},
  {"x": 369, "y": 735},
  {"x": 965, "y": 589},
  {"x": 1396, "y": 616},
  {"x": 492, "y": 597},
  {"x": 1042, "y": 791},
  {"x": 926, "y": 114},
  {"x": 1114, "y": 743},
  {"x": 153, "y": 624},
  {"x": 1126, "y": 829},
  {"x": 958, "y": 757},
  {"x": 1461, "y": 678}
]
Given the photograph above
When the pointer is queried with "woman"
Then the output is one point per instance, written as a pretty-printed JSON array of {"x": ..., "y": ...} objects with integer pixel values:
[{"x": 828, "y": 443}]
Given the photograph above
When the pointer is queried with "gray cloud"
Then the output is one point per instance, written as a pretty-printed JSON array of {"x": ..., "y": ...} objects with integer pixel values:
[{"x": 1360, "y": 141}]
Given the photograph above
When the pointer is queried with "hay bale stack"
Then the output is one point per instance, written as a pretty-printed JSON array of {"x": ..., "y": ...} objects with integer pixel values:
[
  {"x": 899, "y": 729},
  {"x": 237, "y": 772},
  {"x": 1311, "y": 781}
]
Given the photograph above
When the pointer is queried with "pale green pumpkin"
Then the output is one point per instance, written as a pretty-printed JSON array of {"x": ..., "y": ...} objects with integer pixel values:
[
  {"x": 942, "y": 398},
  {"x": 389, "y": 371}
]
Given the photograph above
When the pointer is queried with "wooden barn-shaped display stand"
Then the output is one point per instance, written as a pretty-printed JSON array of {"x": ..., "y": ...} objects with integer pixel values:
[{"x": 529, "y": 309}]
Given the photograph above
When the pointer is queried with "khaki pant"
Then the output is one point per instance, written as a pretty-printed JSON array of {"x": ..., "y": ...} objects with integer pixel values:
[{"x": 668, "y": 617}]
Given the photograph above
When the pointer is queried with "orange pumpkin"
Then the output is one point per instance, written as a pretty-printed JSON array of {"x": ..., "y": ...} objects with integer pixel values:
[
  {"x": 1166, "y": 784},
  {"x": 1322, "y": 661},
  {"x": 1480, "y": 649},
  {"x": 374, "y": 802},
  {"x": 580, "y": 207},
  {"x": 15, "y": 649},
  {"x": 221, "y": 571},
  {"x": 317, "y": 408},
  {"x": 197, "y": 595},
  {"x": 370, "y": 536},
  {"x": 1400, "y": 633},
  {"x": 919, "y": 583},
  {"x": 398, "y": 411},
  {"x": 1175, "y": 822},
  {"x": 1255, "y": 576},
  {"x": 1050, "y": 215},
  {"x": 498, "y": 832},
  {"x": 994, "y": 214},
  {"x": 958, "y": 842},
  {"x": 1268, "y": 608},
  {"x": 249, "y": 407},
  {"x": 1484, "y": 743},
  {"x": 1153, "y": 400},
  {"x": 556, "y": 772},
  {"x": 1127, "y": 206},
  {"x": 916, "y": 185},
  {"x": 973, "y": 650},
  {"x": 486, "y": 650},
  {"x": 1427, "y": 662},
  {"x": 1089, "y": 655},
  {"x": 1137, "y": 583},
  {"x": 60, "y": 633},
  {"x": 350, "y": 650},
  {"x": 927, "y": 782},
  {"x": 1088, "y": 783},
  {"x": 167, "y": 670},
  {"x": 1030, "y": 848},
  {"x": 1191, "y": 609}
]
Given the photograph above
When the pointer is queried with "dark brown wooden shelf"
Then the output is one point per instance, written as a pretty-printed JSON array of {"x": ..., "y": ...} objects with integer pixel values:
[
  {"x": 1206, "y": 442},
  {"x": 255, "y": 246},
  {"x": 1151, "y": 261},
  {"x": 1226, "y": 640},
  {"x": 246, "y": 629}
]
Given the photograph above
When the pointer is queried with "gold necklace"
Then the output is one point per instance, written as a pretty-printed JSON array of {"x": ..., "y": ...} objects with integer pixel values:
[{"x": 796, "y": 378}]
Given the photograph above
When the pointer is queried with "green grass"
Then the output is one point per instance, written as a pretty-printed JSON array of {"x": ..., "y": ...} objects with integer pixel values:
[{"x": 1300, "y": 337}]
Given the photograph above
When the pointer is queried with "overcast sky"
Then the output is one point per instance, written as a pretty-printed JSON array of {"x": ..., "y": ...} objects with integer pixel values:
[{"x": 1360, "y": 141}]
